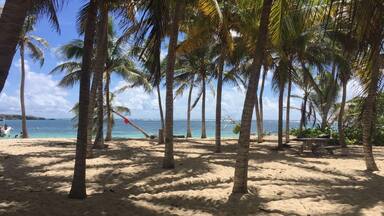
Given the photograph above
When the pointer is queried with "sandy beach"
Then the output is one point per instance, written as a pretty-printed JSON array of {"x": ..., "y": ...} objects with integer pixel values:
[{"x": 127, "y": 179}]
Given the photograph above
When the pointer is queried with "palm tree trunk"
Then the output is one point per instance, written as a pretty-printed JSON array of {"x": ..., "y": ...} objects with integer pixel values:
[
  {"x": 168, "y": 161},
  {"x": 368, "y": 115},
  {"x": 22, "y": 90},
  {"x": 280, "y": 119},
  {"x": 241, "y": 166},
  {"x": 340, "y": 122},
  {"x": 101, "y": 58},
  {"x": 160, "y": 106},
  {"x": 303, "y": 112},
  {"x": 203, "y": 126},
  {"x": 78, "y": 188},
  {"x": 108, "y": 136},
  {"x": 189, "y": 129},
  {"x": 91, "y": 111},
  {"x": 258, "y": 118},
  {"x": 287, "y": 114},
  {"x": 261, "y": 105},
  {"x": 218, "y": 101},
  {"x": 11, "y": 24},
  {"x": 99, "y": 140}
]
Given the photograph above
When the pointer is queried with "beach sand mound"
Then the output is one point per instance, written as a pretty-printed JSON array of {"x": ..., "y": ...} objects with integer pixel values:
[{"x": 127, "y": 179}]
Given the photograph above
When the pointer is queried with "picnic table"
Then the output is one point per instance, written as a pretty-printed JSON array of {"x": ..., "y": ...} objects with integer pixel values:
[{"x": 318, "y": 146}]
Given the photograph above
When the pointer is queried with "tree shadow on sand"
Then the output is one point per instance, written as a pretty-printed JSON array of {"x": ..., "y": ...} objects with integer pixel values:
[{"x": 132, "y": 182}]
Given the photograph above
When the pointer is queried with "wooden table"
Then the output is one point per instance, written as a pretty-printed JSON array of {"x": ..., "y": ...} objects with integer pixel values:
[{"x": 318, "y": 146}]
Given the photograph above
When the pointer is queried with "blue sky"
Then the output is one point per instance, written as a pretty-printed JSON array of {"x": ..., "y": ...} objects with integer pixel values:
[{"x": 44, "y": 98}]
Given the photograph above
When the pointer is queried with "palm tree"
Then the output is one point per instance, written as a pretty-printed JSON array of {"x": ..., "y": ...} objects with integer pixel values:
[
  {"x": 78, "y": 188},
  {"x": 101, "y": 59},
  {"x": 12, "y": 20},
  {"x": 118, "y": 63},
  {"x": 168, "y": 161},
  {"x": 32, "y": 43},
  {"x": 241, "y": 166}
]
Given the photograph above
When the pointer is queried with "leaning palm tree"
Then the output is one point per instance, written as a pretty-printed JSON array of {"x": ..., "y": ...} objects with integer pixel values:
[
  {"x": 13, "y": 17},
  {"x": 241, "y": 166},
  {"x": 33, "y": 44}
]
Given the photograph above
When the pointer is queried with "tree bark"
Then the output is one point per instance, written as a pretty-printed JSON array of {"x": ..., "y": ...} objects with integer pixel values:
[
  {"x": 189, "y": 129},
  {"x": 108, "y": 136},
  {"x": 261, "y": 135},
  {"x": 280, "y": 119},
  {"x": 241, "y": 166},
  {"x": 160, "y": 106},
  {"x": 340, "y": 122},
  {"x": 368, "y": 115},
  {"x": 22, "y": 90},
  {"x": 303, "y": 112},
  {"x": 203, "y": 126},
  {"x": 168, "y": 161},
  {"x": 11, "y": 24},
  {"x": 258, "y": 118},
  {"x": 101, "y": 58},
  {"x": 78, "y": 188},
  {"x": 287, "y": 114},
  {"x": 218, "y": 101}
]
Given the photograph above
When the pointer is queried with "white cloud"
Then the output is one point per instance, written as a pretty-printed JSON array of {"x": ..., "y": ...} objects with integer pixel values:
[{"x": 42, "y": 96}]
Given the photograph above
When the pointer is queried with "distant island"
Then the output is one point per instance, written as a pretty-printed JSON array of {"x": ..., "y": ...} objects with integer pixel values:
[{"x": 18, "y": 117}]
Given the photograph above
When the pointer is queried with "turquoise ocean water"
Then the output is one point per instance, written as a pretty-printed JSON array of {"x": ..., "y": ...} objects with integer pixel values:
[{"x": 63, "y": 128}]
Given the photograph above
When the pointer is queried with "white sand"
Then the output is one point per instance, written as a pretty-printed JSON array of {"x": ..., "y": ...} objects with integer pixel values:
[{"x": 127, "y": 179}]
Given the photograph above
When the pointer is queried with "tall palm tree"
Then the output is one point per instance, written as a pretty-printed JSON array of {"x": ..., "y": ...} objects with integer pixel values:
[
  {"x": 118, "y": 62},
  {"x": 33, "y": 44},
  {"x": 12, "y": 20},
  {"x": 78, "y": 188},
  {"x": 100, "y": 60},
  {"x": 168, "y": 161},
  {"x": 241, "y": 166}
]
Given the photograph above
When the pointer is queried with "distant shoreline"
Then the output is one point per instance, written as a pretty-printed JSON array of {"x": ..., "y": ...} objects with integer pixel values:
[{"x": 18, "y": 117}]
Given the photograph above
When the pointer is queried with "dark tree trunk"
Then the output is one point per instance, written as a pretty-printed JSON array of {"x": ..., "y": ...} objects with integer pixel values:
[
  {"x": 168, "y": 161},
  {"x": 78, "y": 188},
  {"x": 101, "y": 58},
  {"x": 99, "y": 139},
  {"x": 22, "y": 90},
  {"x": 287, "y": 114},
  {"x": 203, "y": 127},
  {"x": 258, "y": 119},
  {"x": 303, "y": 112},
  {"x": 340, "y": 122},
  {"x": 218, "y": 101},
  {"x": 91, "y": 115},
  {"x": 241, "y": 166},
  {"x": 368, "y": 117},
  {"x": 280, "y": 119},
  {"x": 189, "y": 129},
  {"x": 108, "y": 136},
  {"x": 11, "y": 24},
  {"x": 160, "y": 106},
  {"x": 260, "y": 136}
]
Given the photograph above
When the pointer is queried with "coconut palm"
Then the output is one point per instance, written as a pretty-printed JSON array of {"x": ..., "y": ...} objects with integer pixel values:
[
  {"x": 168, "y": 161},
  {"x": 195, "y": 70},
  {"x": 78, "y": 188},
  {"x": 241, "y": 166},
  {"x": 118, "y": 62},
  {"x": 33, "y": 45},
  {"x": 12, "y": 20}
]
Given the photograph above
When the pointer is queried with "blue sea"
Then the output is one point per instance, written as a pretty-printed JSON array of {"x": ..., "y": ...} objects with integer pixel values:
[{"x": 64, "y": 128}]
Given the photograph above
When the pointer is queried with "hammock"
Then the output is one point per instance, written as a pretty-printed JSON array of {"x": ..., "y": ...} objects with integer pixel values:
[{"x": 127, "y": 121}]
